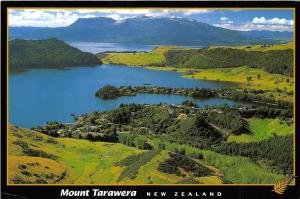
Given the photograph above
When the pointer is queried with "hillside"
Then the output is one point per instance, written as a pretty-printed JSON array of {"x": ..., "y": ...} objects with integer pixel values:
[
  {"x": 48, "y": 53},
  {"x": 39, "y": 159},
  {"x": 271, "y": 58},
  {"x": 146, "y": 30},
  {"x": 160, "y": 144}
]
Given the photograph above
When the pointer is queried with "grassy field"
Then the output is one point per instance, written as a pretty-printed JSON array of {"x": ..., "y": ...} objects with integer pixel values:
[
  {"x": 263, "y": 48},
  {"x": 267, "y": 81},
  {"x": 76, "y": 161},
  {"x": 262, "y": 129},
  {"x": 37, "y": 158},
  {"x": 155, "y": 57}
]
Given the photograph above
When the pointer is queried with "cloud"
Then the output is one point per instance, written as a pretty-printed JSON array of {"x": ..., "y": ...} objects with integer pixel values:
[
  {"x": 259, "y": 23},
  {"x": 130, "y": 13},
  {"x": 263, "y": 20},
  {"x": 251, "y": 26},
  {"x": 44, "y": 18},
  {"x": 60, "y": 18},
  {"x": 271, "y": 27},
  {"x": 224, "y": 19},
  {"x": 191, "y": 12},
  {"x": 227, "y": 26}
]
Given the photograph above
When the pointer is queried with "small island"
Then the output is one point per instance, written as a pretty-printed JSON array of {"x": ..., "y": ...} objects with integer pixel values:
[{"x": 108, "y": 92}]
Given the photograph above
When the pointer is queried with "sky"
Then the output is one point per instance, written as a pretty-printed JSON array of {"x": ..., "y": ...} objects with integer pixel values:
[{"x": 244, "y": 20}]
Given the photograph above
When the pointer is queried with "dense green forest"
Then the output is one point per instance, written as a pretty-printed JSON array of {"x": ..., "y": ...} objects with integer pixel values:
[
  {"x": 230, "y": 119},
  {"x": 48, "y": 53},
  {"x": 273, "y": 61},
  {"x": 194, "y": 131}
]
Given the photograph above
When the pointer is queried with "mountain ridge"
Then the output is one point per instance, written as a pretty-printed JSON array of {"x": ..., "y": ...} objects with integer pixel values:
[{"x": 146, "y": 30}]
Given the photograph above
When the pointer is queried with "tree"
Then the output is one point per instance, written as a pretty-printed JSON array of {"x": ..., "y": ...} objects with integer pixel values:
[
  {"x": 126, "y": 139},
  {"x": 248, "y": 78},
  {"x": 258, "y": 76},
  {"x": 142, "y": 143},
  {"x": 120, "y": 116},
  {"x": 189, "y": 103},
  {"x": 108, "y": 92}
]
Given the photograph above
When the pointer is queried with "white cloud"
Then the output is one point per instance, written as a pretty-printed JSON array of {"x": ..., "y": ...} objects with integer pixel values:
[
  {"x": 259, "y": 23},
  {"x": 44, "y": 18},
  {"x": 117, "y": 17},
  {"x": 224, "y": 19},
  {"x": 271, "y": 27},
  {"x": 154, "y": 13},
  {"x": 191, "y": 12},
  {"x": 259, "y": 20},
  {"x": 263, "y": 20},
  {"x": 60, "y": 18},
  {"x": 251, "y": 26},
  {"x": 226, "y": 25}
]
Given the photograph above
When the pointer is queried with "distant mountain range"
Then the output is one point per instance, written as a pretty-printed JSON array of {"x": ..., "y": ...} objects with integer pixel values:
[
  {"x": 149, "y": 30},
  {"x": 275, "y": 35}
]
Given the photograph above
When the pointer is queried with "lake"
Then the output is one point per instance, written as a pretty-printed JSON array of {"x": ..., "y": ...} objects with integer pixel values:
[
  {"x": 42, "y": 95},
  {"x": 95, "y": 47}
]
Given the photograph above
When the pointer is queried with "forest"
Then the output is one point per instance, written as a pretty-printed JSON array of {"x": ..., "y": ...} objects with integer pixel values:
[
  {"x": 48, "y": 53},
  {"x": 273, "y": 61}
]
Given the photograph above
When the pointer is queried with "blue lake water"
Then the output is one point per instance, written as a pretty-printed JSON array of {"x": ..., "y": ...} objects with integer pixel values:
[
  {"x": 42, "y": 95},
  {"x": 94, "y": 47}
]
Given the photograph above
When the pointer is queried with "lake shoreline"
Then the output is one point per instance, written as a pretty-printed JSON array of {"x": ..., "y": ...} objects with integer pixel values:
[{"x": 73, "y": 91}]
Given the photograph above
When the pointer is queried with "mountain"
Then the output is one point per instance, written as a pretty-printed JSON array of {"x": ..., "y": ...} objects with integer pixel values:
[
  {"x": 146, "y": 30},
  {"x": 49, "y": 53},
  {"x": 284, "y": 35}
]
